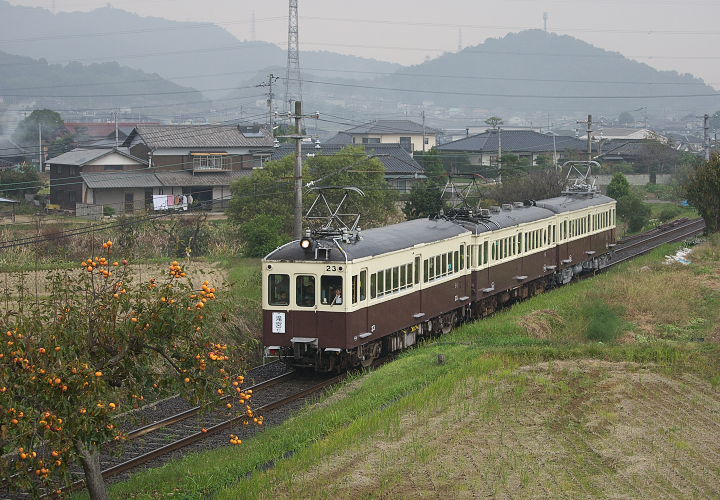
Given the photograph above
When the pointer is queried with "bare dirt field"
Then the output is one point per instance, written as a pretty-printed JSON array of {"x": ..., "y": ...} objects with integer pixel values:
[{"x": 570, "y": 429}]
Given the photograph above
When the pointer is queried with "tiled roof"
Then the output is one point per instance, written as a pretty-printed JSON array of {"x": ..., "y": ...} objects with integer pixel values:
[
  {"x": 127, "y": 179},
  {"x": 144, "y": 179},
  {"x": 340, "y": 138},
  {"x": 390, "y": 127},
  {"x": 83, "y": 156},
  {"x": 198, "y": 136},
  {"x": 393, "y": 156},
  {"x": 200, "y": 179},
  {"x": 514, "y": 141}
]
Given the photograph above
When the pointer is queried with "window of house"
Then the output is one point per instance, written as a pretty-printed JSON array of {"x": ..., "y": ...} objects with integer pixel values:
[
  {"x": 279, "y": 290},
  {"x": 305, "y": 291},
  {"x": 370, "y": 140},
  {"x": 209, "y": 162},
  {"x": 110, "y": 168},
  {"x": 331, "y": 290},
  {"x": 406, "y": 143}
]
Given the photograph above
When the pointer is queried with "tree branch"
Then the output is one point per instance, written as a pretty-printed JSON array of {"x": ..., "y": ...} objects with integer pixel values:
[{"x": 165, "y": 356}]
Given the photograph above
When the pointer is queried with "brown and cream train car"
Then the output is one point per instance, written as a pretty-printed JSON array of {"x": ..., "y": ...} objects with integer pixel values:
[{"x": 334, "y": 303}]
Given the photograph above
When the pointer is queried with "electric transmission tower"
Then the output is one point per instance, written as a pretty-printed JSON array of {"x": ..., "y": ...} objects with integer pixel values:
[{"x": 293, "y": 83}]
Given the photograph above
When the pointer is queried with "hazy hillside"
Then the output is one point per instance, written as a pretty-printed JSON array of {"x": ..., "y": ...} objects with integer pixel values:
[
  {"x": 23, "y": 79},
  {"x": 200, "y": 55},
  {"x": 536, "y": 63}
]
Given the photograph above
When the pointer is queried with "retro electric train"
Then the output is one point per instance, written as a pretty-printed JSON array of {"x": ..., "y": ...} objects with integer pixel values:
[{"x": 332, "y": 303}]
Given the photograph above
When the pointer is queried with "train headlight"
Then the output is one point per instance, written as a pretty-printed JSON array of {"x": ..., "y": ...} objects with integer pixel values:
[{"x": 305, "y": 243}]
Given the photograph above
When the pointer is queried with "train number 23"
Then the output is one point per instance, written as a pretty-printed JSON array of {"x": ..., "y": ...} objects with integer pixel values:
[{"x": 331, "y": 268}]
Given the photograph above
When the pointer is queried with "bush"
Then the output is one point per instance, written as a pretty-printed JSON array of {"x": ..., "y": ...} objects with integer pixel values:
[
  {"x": 669, "y": 213},
  {"x": 262, "y": 234},
  {"x": 108, "y": 211},
  {"x": 619, "y": 186},
  {"x": 604, "y": 322}
]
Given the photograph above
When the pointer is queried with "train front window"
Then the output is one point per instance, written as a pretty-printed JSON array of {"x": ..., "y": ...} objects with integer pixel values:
[
  {"x": 305, "y": 291},
  {"x": 331, "y": 290},
  {"x": 279, "y": 290}
]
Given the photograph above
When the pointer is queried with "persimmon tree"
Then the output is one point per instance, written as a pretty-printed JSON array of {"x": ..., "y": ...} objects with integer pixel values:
[{"x": 98, "y": 343}]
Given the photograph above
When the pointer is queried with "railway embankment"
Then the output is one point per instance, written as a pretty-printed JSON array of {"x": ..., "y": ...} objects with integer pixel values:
[{"x": 607, "y": 387}]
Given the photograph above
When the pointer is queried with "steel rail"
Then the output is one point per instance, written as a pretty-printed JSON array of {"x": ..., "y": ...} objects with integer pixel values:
[
  {"x": 678, "y": 233},
  {"x": 199, "y": 436},
  {"x": 184, "y": 415}
]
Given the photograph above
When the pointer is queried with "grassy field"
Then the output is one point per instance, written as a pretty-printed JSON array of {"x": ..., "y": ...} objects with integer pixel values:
[{"x": 606, "y": 388}]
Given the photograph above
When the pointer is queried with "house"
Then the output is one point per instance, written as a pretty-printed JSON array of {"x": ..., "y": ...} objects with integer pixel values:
[
  {"x": 401, "y": 170},
  {"x": 89, "y": 132},
  {"x": 154, "y": 160},
  {"x": 626, "y": 134},
  {"x": 482, "y": 149},
  {"x": 68, "y": 186},
  {"x": 410, "y": 135}
]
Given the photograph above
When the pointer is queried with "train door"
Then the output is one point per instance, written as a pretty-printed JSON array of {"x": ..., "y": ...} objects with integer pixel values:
[
  {"x": 463, "y": 268},
  {"x": 359, "y": 296}
]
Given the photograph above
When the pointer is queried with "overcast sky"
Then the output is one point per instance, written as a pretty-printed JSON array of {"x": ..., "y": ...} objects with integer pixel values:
[{"x": 680, "y": 35}]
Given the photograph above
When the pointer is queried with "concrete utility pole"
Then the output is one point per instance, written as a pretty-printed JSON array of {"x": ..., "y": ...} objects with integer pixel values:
[
  {"x": 117, "y": 138},
  {"x": 589, "y": 136},
  {"x": 499, "y": 133},
  {"x": 297, "y": 226},
  {"x": 423, "y": 119},
  {"x": 270, "y": 96},
  {"x": 41, "y": 166},
  {"x": 706, "y": 136}
]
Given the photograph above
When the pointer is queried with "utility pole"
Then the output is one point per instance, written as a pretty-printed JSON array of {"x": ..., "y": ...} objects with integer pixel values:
[
  {"x": 297, "y": 226},
  {"x": 545, "y": 20},
  {"x": 41, "y": 166},
  {"x": 423, "y": 120},
  {"x": 293, "y": 80},
  {"x": 589, "y": 136},
  {"x": 706, "y": 136},
  {"x": 270, "y": 96},
  {"x": 499, "y": 133},
  {"x": 117, "y": 139}
]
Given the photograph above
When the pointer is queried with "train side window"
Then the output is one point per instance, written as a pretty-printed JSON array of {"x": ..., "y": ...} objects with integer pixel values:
[
  {"x": 388, "y": 280},
  {"x": 456, "y": 261},
  {"x": 445, "y": 265},
  {"x": 373, "y": 285},
  {"x": 426, "y": 272},
  {"x": 417, "y": 270},
  {"x": 363, "y": 284},
  {"x": 438, "y": 267},
  {"x": 305, "y": 291},
  {"x": 403, "y": 281},
  {"x": 485, "y": 252},
  {"x": 409, "y": 272},
  {"x": 279, "y": 290},
  {"x": 396, "y": 279},
  {"x": 462, "y": 258},
  {"x": 331, "y": 290},
  {"x": 381, "y": 283},
  {"x": 354, "y": 289}
]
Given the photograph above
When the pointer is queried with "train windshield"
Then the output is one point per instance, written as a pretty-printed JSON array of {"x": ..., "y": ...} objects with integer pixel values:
[
  {"x": 305, "y": 291},
  {"x": 331, "y": 290},
  {"x": 279, "y": 290}
]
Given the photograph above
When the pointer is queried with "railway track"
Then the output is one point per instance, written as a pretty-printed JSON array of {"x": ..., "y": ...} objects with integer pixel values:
[
  {"x": 671, "y": 232},
  {"x": 192, "y": 427}
]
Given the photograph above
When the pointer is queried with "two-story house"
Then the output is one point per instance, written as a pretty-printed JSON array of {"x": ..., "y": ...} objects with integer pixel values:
[
  {"x": 198, "y": 162},
  {"x": 410, "y": 135}
]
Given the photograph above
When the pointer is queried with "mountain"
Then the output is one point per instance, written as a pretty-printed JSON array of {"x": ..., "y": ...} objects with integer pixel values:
[
  {"x": 570, "y": 75},
  {"x": 202, "y": 55},
  {"x": 93, "y": 86}
]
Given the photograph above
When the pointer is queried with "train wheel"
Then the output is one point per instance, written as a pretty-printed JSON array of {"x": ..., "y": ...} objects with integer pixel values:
[{"x": 447, "y": 322}]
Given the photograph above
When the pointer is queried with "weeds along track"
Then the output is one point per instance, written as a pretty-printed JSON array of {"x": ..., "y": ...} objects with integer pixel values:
[
  {"x": 198, "y": 429},
  {"x": 639, "y": 244}
]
